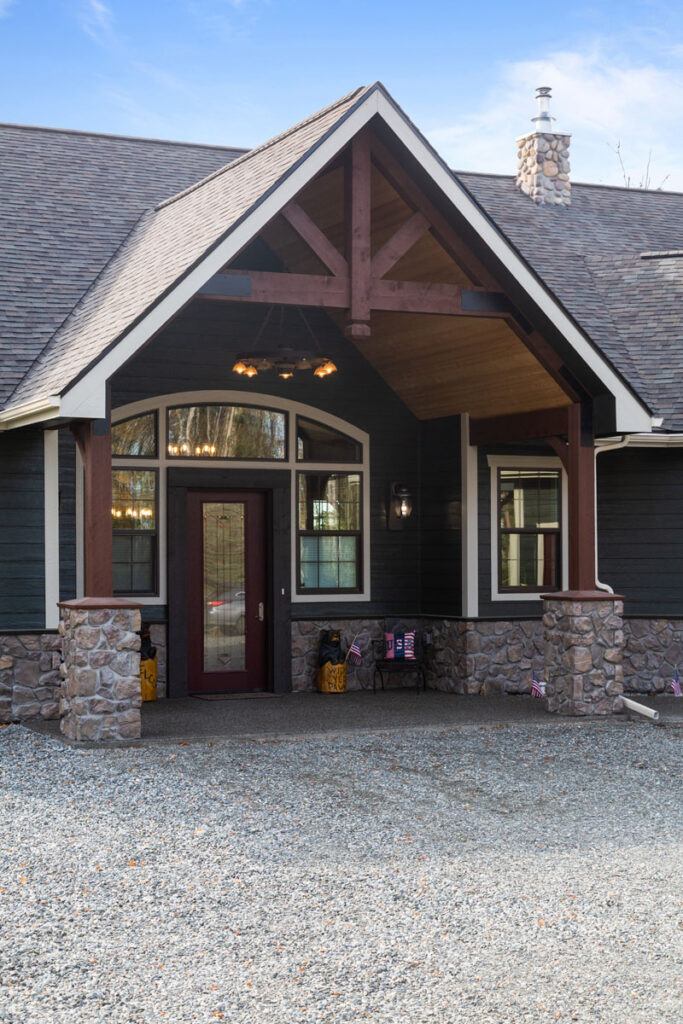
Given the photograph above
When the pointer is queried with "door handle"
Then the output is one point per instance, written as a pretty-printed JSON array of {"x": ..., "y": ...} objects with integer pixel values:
[{"x": 261, "y": 614}]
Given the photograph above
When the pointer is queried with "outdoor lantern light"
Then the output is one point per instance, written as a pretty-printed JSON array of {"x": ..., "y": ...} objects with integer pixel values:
[
  {"x": 400, "y": 506},
  {"x": 284, "y": 359}
]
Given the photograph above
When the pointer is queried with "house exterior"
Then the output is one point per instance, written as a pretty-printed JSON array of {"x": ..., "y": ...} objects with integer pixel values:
[{"x": 328, "y": 382}]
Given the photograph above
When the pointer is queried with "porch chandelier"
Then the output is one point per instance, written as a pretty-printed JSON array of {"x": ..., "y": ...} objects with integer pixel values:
[{"x": 283, "y": 359}]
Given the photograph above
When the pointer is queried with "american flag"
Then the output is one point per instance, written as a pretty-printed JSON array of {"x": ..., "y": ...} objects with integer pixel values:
[
  {"x": 537, "y": 689},
  {"x": 675, "y": 684},
  {"x": 355, "y": 655}
]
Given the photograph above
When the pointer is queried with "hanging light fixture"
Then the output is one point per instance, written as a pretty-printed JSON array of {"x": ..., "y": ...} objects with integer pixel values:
[{"x": 284, "y": 359}]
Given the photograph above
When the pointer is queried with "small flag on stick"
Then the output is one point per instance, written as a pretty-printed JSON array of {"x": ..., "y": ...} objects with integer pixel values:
[
  {"x": 537, "y": 689},
  {"x": 675, "y": 684},
  {"x": 354, "y": 653}
]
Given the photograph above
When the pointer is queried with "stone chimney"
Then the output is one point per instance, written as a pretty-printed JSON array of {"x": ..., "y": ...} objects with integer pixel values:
[{"x": 543, "y": 158}]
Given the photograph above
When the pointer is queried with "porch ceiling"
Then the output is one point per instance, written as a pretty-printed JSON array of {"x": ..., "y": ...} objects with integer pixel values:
[{"x": 438, "y": 365}]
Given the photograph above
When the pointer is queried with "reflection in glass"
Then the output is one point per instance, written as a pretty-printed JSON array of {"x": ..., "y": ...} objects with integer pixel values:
[
  {"x": 529, "y": 521},
  {"x": 136, "y": 436},
  {"x": 329, "y": 501},
  {"x": 134, "y": 521},
  {"x": 529, "y": 499},
  {"x": 133, "y": 499},
  {"x": 224, "y": 586},
  {"x": 329, "y": 531},
  {"x": 316, "y": 442},
  {"x": 226, "y": 432}
]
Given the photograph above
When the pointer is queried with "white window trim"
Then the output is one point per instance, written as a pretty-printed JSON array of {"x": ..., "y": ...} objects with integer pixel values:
[
  {"x": 497, "y": 462},
  {"x": 291, "y": 408}
]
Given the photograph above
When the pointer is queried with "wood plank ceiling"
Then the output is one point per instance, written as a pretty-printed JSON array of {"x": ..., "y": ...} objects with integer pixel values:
[{"x": 438, "y": 365}]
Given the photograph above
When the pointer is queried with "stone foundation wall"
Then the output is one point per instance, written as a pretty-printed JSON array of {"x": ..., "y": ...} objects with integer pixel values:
[
  {"x": 29, "y": 676},
  {"x": 306, "y": 641},
  {"x": 484, "y": 656},
  {"x": 100, "y": 694},
  {"x": 652, "y": 650}
]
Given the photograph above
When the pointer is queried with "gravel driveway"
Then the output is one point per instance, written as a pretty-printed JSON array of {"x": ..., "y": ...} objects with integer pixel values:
[{"x": 494, "y": 874}]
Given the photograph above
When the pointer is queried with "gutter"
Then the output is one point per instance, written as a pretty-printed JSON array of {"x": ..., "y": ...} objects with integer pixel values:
[{"x": 35, "y": 411}]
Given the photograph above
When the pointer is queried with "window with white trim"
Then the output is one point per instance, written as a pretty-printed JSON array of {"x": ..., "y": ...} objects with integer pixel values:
[{"x": 528, "y": 527}]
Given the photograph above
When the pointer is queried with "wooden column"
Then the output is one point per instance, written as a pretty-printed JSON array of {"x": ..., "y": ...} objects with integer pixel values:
[
  {"x": 581, "y": 475},
  {"x": 94, "y": 442},
  {"x": 358, "y": 207}
]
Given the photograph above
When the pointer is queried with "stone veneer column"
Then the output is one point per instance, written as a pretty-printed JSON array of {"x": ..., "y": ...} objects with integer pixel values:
[
  {"x": 584, "y": 643},
  {"x": 543, "y": 168},
  {"x": 100, "y": 693}
]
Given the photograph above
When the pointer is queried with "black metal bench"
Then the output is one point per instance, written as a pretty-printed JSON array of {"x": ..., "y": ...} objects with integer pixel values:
[{"x": 392, "y": 666}]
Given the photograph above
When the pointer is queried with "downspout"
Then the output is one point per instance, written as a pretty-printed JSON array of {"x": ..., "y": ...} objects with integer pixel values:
[{"x": 623, "y": 443}]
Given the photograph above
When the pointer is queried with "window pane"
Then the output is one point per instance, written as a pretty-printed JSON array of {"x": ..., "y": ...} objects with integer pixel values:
[
  {"x": 226, "y": 432},
  {"x": 309, "y": 575},
  {"x": 316, "y": 442},
  {"x": 529, "y": 560},
  {"x": 348, "y": 575},
  {"x": 329, "y": 575},
  {"x": 529, "y": 499},
  {"x": 309, "y": 549},
  {"x": 137, "y": 436},
  {"x": 122, "y": 579},
  {"x": 329, "y": 501},
  {"x": 133, "y": 499},
  {"x": 143, "y": 577}
]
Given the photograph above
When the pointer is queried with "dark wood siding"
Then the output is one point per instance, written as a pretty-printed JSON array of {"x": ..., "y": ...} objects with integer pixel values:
[
  {"x": 440, "y": 517},
  {"x": 67, "y": 515},
  {"x": 640, "y": 528},
  {"x": 196, "y": 352},
  {"x": 22, "y": 533}
]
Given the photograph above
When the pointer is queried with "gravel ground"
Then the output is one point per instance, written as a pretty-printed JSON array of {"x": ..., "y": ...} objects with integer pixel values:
[{"x": 493, "y": 874}]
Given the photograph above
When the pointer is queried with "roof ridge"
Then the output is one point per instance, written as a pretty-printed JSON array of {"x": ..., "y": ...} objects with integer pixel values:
[
  {"x": 259, "y": 149},
  {"x": 125, "y": 138},
  {"x": 576, "y": 184}
]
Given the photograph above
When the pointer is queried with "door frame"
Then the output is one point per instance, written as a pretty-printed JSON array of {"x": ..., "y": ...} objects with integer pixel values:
[{"x": 276, "y": 484}]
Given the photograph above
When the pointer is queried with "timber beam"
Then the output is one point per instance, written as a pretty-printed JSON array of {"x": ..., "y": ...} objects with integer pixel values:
[{"x": 524, "y": 426}]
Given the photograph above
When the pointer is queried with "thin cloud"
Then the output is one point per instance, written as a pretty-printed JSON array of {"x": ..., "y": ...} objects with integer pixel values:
[
  {"x": 5, "y": 7},
  {"x": 96, "y": 19},
  {"x": 601, "y": 101}
]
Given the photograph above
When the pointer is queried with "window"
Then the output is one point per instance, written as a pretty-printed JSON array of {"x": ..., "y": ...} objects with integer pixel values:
[
  {"x": 316, "y": 442},
  {"x": 329, "y": 532},
  {"x": 136, "y": 436},
  {"x": 529, "y": 535},
  {"x": 226, "y": 432},
  {"x": 134, "y": 522}
]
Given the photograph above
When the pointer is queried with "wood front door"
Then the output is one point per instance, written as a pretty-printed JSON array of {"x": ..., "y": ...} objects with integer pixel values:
[{"x": 226, "y": 592}]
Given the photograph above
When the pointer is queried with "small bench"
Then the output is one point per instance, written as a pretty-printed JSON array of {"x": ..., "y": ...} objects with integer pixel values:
[{"x": 391, "y": 666}]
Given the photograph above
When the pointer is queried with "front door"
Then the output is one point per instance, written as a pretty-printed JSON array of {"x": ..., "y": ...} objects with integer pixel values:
[{"x": 226, "y": 591}]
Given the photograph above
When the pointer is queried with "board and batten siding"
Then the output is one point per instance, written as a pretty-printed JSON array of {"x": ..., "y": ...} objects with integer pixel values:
[
  {"x": 22, "y": 530},
  {"x": 197, "y": 351},
  {"x": 440, "y": 511},
  {"x": 640, "y": 528}
]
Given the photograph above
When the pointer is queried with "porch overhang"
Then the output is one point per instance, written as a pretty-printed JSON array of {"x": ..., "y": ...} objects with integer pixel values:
[{"x": 84, "y": 396}]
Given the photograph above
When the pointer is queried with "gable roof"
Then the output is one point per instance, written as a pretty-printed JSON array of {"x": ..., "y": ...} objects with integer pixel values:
[
  {"x": 172, "y": 249},
  {"x": 604, "y": 259},
  {"x": 69, "y": 199}
]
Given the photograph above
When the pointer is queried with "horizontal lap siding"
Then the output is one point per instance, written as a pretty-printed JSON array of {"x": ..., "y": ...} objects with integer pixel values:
[
  {"x": 440, "y": 508},
  {"x": 640, "y": 528},
  {"x": 196, "y": 352},
  {"x": 22, "y": 550}
]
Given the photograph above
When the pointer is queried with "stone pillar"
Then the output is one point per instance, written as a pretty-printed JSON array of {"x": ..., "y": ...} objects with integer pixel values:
[
  {"x": 584, "y": 644},
  {"x": 100, "y": 693}
]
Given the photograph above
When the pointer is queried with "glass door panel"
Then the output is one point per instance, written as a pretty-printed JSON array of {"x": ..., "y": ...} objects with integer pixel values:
[{"x": 224, "y": 586}]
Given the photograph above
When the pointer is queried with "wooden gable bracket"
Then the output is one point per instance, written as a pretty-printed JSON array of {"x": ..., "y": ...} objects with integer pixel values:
[{"x": 358, "y": 283}]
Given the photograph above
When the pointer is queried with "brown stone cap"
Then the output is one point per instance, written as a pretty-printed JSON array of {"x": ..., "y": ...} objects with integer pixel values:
[
  {"x": 582, "y": 595},
  {"x": 98, "y": 602}
]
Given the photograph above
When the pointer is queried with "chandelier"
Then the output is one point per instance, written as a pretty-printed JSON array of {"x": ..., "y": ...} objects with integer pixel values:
[{"x": 284, "y": 359}]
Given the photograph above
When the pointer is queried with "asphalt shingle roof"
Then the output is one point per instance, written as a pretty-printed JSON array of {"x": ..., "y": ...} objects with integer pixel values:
[
  {"x": 69, "y": 199},
  {"x": 93, "y": 229},
  {"x": 590, "y": 256}
]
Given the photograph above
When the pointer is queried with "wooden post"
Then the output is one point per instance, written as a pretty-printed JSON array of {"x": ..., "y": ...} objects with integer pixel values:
[
  {"x": 358, "y": 206},
  {"x": 581, "y": 474},
  {"x": 94, "y": 441}
]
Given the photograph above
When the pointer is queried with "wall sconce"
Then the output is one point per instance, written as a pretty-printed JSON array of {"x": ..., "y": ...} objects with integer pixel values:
[{"x": 400, "y": 506}]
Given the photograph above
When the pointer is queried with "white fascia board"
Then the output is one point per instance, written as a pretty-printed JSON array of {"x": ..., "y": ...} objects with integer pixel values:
[
  {"x": 35, "y": 411},
  {"x": 86, "y": 399},
  {"x": 631, "y": 414},
  {"x": 643, "y": 441}
]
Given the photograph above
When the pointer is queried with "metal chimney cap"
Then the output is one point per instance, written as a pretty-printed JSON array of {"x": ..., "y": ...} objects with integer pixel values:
[{"x": 543, "y": 120}]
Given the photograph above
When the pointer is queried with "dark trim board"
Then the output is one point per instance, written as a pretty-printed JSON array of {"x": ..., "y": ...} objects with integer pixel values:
[{"x": 276, "y": 485}]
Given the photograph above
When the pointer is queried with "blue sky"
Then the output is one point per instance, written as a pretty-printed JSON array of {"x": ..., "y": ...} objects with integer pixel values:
[{"x": 238, "y": 71}]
